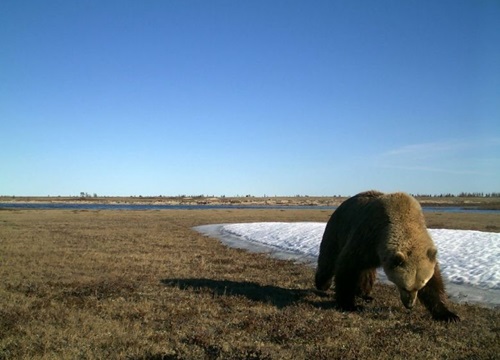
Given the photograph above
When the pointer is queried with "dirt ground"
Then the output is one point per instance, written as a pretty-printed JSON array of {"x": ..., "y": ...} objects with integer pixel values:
[{"x": 145, "y": 285}]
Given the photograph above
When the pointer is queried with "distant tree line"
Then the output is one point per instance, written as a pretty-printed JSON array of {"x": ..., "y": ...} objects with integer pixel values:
[
  {"x": 462, "y": 194},
  {"x": 84, "y": 194},
  {"x": 493, "y": 194}
]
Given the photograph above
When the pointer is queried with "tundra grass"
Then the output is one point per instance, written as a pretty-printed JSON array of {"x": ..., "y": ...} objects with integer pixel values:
[{"x": 144, "y": 285}]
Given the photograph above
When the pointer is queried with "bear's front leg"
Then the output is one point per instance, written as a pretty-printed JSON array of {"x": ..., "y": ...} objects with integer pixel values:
[
  {"x": 346, "y": 287},
  {"x": 433, "y": 296}
]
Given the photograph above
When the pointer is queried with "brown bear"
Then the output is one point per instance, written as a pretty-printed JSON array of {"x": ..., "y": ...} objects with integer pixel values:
[{"x": 373, "y": 229}]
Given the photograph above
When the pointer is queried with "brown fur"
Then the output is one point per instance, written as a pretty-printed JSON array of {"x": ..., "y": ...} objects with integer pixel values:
[{"x": 373, "y": 229}]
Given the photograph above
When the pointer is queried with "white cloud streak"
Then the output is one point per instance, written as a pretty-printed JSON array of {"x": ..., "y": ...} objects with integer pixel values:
[{"x": 449, "y": 156}]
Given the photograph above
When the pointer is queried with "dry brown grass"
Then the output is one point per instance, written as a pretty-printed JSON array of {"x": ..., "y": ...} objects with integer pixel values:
[{"x": 144, "y": 285}]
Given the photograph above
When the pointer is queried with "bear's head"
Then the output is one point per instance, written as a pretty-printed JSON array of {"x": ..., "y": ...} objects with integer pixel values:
[{"x": 410, "y": 271}]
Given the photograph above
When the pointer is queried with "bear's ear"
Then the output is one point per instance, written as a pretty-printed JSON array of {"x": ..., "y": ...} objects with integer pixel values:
[
  {"x": 431, "y": 254},
  {"x": 398, "y": 259}
]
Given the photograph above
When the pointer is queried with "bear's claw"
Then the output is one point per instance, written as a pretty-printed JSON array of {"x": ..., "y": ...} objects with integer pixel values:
[{"x": 447, "y": 316}]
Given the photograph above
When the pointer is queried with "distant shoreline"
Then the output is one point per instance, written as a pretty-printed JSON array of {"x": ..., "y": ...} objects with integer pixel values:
[{"x": 470, "y": 203}]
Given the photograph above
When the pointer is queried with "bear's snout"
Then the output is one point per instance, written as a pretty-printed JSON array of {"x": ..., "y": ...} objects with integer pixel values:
[{"x": 408, "y": 298}]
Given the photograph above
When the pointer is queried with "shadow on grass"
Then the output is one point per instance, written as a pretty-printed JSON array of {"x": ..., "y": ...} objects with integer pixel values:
[{"x": 277, "y": 296}]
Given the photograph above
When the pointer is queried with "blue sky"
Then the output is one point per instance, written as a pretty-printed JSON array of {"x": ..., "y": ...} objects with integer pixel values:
[{"x": 249, "y": 97}]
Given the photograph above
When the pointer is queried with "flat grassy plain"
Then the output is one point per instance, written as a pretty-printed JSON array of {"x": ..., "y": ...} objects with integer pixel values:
[{"x": 144, "y": 285}]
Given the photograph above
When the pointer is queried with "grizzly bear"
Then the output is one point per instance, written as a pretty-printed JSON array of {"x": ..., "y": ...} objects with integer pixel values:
[{"x": 373, "y": 229}]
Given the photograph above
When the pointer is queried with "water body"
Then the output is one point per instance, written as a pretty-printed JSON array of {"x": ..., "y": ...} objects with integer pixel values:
[
  {"x": 87, "y": 206},
  {"x": 139, "y": 207}
]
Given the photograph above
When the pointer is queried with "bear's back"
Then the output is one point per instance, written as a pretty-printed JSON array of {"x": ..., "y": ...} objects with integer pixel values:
[
  {"x": 406, "y": 226},
  {"x": 402, "y": 209},
  {"x": 375, "y": 217},
  {"x": 357, "y": 219}
]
